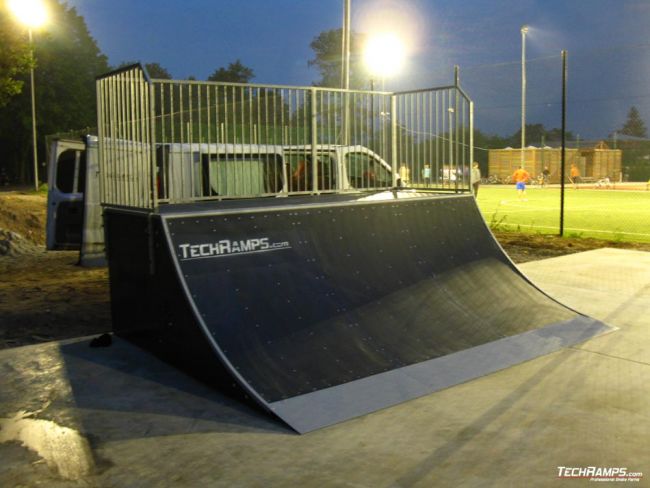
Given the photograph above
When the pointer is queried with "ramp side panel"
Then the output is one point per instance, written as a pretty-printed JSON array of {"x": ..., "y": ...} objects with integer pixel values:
[
  {"x": 150, "y": 308},
  {"x": 340, "y": 294}
]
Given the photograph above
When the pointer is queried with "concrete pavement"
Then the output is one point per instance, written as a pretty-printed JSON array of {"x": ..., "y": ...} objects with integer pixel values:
[{"x": 116, "y": 417}]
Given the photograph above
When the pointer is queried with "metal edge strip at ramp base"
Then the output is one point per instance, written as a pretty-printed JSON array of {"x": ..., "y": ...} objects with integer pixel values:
[
  {"x": 332, "y": 405},
  {"x": 368, "y": 302}
]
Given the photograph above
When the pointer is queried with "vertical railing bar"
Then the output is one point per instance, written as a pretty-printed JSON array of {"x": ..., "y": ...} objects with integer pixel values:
[
  {"x": 152, "y": 150},
  {"x": 429, "y": 143},
  {"x": 183, "y": 149},
  {"x": 171, "y": 195},
  {"x": 121, "y": 136},
  {"x": 116, "y": 138},
  {"x": 131, "y": 133},
  {"x": 219, "y": 140},
  {"x": 144, "y": 135},
  {"x": 314, "y": 139},
  {"x": 99, "y": 99},
  {"x": 113, "y": 114},
  {"x": 459, "y": 169},
  {"x": 190, "y": 140},
  {"x": 393, "y": 118},
  {"x": 208, "y": 111},
  {"x": 416, "y": 136},
  {"x": 242, "y": 123},
  {"x": 136, "y": 119},
  {"x": 133, "y": 141}
]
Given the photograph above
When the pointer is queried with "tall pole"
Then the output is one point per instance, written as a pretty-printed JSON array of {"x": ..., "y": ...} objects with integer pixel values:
[
  {"x": 524, "y": 31},
  {"x": 346, "y": 45},
  {"x": 563, "y": 160},
  {"x": 345, "y": 72},
  {"x": 34, "y": 141}
]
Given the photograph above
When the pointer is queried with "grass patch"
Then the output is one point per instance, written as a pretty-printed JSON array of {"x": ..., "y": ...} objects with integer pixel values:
[{"x": 603, "y": 214}]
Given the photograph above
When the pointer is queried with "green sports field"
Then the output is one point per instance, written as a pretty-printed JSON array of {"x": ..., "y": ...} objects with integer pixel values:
[{"x": 607, "y": 214}]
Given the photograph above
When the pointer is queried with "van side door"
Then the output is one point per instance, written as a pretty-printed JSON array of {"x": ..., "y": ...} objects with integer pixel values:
[{"x": 65, "y": 197}]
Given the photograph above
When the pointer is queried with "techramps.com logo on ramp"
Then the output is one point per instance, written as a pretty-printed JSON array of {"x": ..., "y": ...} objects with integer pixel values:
[
  {"x": 228, "y": 247},
  {"x": 601, "y": 474}
]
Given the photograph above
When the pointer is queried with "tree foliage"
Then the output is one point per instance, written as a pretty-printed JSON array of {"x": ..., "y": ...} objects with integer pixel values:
[
  {"x": 634, "y": 125},
  {"x": 538, "y": 135},
  {"x": 15, "y": 56},
  {"x": 67, "y": 62},
  {"x": 236, "y": 72},
  {"x": 154, "y": 70},
  {"x": 328, "y": 59}
]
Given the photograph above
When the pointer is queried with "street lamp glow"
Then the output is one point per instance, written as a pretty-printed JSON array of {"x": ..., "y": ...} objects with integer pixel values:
[
  {"x": 32, "y": 13},
  {"x": 384, "y": 54}
]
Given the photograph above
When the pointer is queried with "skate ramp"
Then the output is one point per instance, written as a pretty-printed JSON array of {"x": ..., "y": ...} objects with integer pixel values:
[{"x": 322, "y": 310}]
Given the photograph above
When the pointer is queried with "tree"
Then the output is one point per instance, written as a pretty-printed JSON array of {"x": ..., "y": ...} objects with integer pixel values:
[
  {"x": 634, "y": 125},
  {"x": 155, "y": 70},
  {"x": 15, "y": 56},
  {"x": 236, "y": 72},
  {"x": 67, "y": 63},
  {"x": 536, "y": 133},
  {"x": 327, "y": 47}
]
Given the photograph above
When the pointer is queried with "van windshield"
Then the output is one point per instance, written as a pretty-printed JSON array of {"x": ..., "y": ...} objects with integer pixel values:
[{"x": 366, "y": 172}]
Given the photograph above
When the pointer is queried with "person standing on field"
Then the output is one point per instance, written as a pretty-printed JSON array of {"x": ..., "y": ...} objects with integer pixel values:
[
  {"x": 546, "y": 176},
  {"x": 475, "y": 177},
  {"x": 520, "y": 177},
  {"x": 574, "y": 176}
]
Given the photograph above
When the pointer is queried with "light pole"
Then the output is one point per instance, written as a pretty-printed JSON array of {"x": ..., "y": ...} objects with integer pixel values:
[
  {"x": 32, "y": 14},
  {"x": 345, "y": 72},
  {"x": 524, "y": 31}
]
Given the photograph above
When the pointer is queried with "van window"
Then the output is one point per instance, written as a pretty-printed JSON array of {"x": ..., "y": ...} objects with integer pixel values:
[
  {"x": 366, "y": 172},
  {"x": 233, "y": 175},
  {"x": 71, "y": 171},
  {"x": 301, "y": 171}
]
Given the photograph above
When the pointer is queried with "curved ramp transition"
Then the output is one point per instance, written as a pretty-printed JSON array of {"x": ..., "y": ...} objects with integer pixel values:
[{"x": 329, "y": 308}]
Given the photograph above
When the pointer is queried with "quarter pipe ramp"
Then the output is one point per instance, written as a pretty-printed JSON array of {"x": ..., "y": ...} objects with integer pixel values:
[{"x": 323, "y": 309}]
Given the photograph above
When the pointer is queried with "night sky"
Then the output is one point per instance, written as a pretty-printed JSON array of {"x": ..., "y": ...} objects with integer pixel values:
[{"x": 608, "y": 43}]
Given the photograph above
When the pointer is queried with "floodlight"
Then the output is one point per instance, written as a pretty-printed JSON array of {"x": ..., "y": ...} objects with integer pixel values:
[
  {"x": 32, "y": 13},
  {"x": 384, "y": 54}
]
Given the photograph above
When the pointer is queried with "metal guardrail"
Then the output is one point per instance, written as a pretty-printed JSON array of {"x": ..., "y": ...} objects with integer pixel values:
[{"x": 168, "y": 141}]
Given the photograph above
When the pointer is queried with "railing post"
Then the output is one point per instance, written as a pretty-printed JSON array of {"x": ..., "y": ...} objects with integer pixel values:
[
  {"x": 100, "y": 140},
  {"x": 314, "y": 141},
  {"x": 393, "y": 135},
  {"x": 471, "y": 137},
  {"x": 152, "y": 126}
]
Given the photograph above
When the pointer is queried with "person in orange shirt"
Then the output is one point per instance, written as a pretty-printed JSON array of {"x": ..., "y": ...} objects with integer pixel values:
[
  {"x": 575, "y": 176},
  {"x": 520, "y": 177}
]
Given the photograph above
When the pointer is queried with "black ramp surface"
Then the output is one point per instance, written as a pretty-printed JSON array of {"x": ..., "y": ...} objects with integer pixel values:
[{"x": 323, "y": 313}]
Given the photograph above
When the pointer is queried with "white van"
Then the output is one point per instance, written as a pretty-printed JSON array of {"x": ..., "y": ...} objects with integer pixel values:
[{"x": 196, "y": 172}]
